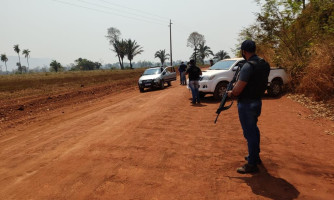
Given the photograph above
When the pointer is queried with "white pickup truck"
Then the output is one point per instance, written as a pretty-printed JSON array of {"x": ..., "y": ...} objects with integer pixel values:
[{"x": 216, "y": 78}]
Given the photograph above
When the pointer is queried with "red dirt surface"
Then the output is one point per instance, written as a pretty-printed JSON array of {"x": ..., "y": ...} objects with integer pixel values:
[{"x": 157, "y": 146}]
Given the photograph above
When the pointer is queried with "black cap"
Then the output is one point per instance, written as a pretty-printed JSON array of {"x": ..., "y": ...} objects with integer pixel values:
[{"x": 249, "y": 46}]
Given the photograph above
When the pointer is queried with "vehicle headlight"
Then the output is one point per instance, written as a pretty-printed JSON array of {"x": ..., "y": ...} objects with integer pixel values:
[
  {"x": 140, "y": 81},
  {"x": 208, "y": 77},
  {"x": 157, "y": 80},
  {"x": 204, "y": 78},
  {"x": 212, "y": 77}
]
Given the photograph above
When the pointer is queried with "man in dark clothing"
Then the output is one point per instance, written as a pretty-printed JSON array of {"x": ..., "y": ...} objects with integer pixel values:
[
  {"x": 194, "y": 75},
  {"x": 211, "y": 62},
  {"x": 249, "y": 89},
  {"x": 182, "y": 70}
]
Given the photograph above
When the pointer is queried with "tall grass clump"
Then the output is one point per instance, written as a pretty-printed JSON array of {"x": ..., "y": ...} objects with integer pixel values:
[{"x": 318, "y": 81}]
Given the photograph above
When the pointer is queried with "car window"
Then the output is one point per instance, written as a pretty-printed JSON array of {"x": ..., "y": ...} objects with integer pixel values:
[
  {"x": 152, "y": 71},
  {"x": 222, "y": 65}
]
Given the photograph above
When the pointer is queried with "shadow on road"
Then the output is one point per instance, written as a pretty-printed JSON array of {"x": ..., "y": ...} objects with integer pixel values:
[
  {"x": 210, "y": 100},
  {"x": 155, "y": 89},
  {"x": 266, "y": 185}
]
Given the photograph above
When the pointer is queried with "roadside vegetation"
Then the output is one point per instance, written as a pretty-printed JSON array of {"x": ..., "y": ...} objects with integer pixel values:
[
  {"x": 298, "y": 36},
  {"x": 48, "y": 84}
]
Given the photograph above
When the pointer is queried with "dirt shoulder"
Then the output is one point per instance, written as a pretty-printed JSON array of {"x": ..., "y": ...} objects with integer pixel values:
[{"x": 156, "y": 145}]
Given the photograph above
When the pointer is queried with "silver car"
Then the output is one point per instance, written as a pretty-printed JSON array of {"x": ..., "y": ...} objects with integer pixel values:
[{"x": 156, "y": 77}]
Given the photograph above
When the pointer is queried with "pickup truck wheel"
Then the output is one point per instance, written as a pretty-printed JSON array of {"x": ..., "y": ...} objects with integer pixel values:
[
  {"x": 275, "y": 88},
  {"x": 220, "y": 90},
  {"x": 202, "y": 95},
  {"x": 169, "y": 83},
  {"x": 162, "y": 84},
  {"x": 141, "y": 89}
]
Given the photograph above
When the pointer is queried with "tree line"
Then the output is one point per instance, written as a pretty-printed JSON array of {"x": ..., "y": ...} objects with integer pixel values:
[
  {"x": 201, "y": 50},
  {"x": 25, "y": 52},
  {"x": 124, "y": 48}
]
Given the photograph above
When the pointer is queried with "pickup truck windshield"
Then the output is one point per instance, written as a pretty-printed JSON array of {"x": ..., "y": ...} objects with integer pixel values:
[
  {"x": 222, "y": 65},
  {"x": 152, "y": 71}
]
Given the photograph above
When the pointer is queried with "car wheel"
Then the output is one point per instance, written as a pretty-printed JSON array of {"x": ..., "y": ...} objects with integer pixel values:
[
  {"x": 162, "y": 84},
  {"x": 169, "y": 83},
  {"x": 275, "y": 88},
  {"x": 141, "y": 89},
  {"x": 220, "y": 90}
]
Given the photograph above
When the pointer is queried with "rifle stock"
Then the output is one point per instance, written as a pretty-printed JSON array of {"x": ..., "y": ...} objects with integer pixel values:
[{"x": 229, "y": 87}]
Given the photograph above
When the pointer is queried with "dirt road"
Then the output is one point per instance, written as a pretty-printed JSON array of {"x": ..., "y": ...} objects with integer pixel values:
[{"x": 156, "y": 145}]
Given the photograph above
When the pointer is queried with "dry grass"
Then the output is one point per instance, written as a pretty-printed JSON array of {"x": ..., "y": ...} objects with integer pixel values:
[
  {"x": 318, "y": 81},
  {"x": 319, "y": 109},
  {"x": 37, "y": 84}
]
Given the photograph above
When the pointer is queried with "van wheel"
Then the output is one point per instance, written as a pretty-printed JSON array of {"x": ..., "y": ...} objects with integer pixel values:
[
  {"x": 220, "y": 90},
  {"x": 275, "y": 88},
  {"x": 162, "y": 84}
]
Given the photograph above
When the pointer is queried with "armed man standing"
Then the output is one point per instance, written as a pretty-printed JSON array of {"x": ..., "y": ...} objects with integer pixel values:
[{"x": 249, "y": 90}]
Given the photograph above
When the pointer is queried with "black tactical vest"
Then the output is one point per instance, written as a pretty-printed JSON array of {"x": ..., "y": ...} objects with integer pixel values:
[{"x": 257, "y": 84}]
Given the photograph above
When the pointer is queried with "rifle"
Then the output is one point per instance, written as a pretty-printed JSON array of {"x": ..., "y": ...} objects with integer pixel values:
[{"x": 229, "y": 87}]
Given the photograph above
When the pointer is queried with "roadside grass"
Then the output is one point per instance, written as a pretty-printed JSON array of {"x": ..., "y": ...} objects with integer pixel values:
[
  {"x": 38, "y": 84},
  {"x": 24, "y": 86}
]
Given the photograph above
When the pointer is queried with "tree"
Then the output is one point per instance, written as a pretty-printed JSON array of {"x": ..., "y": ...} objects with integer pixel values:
[
  {"x": 55, "y": 66},
  {"x": 204, "y": 51},
  {"x": 26, "y": 53},
  {"x": 113, "y": 35},
  {"x": 132, "y": 49},
  {"x": 120, "y": 47},
  {"x": 17, "y": 50},
  {"x": 161, "y": 54},
  {"x": 85, "y": 64},
  {"x": 303, "y": 1},
  {"x": 221, "y": 55},
  {"x": 4, "y": 59},
  {"x": 194, "y": 40}
]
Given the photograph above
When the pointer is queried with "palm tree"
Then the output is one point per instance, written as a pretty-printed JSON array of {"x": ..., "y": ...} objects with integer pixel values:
[
  {"x": 120, "y": 48},
  {"x": 116, "y": 47},
  {"x": 204, "y": 51},
  {"x": 132, "y": 49},
  {"x": 161, "y": 54},
  {"x": 221, "y": 55},
  {"x": 17, "y": 50},
  {"x": 26, "y": 54},
  {"x": 4, "y": 59}
]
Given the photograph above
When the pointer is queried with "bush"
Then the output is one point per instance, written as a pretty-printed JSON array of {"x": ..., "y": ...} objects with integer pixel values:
[{"x": 318, "y": 80}]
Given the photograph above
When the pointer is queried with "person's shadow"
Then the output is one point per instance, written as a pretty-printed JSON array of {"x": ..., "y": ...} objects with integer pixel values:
[{"x": 269, "y": 186}]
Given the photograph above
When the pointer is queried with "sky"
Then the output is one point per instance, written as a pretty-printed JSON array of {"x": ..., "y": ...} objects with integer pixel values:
[{"x": 65, "y": 30}]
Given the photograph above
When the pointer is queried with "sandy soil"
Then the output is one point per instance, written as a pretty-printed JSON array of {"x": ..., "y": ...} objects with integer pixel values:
[{"x": 156, "y": 145}]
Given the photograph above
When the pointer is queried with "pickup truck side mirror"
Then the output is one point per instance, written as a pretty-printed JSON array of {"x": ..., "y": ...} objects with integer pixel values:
[{"x": 235, "y": 68}]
